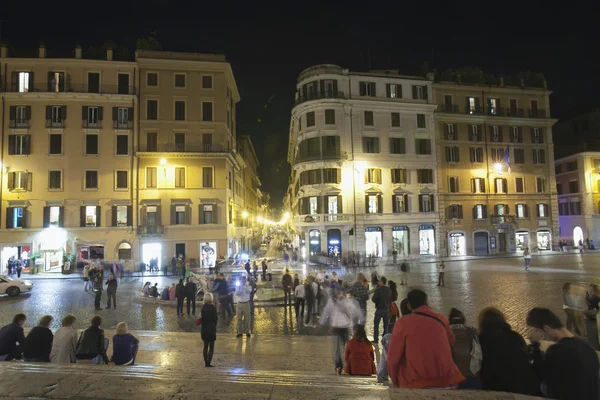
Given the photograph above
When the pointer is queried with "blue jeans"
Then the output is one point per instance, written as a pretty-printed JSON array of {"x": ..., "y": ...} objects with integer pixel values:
[
  {"x": 527, "y": 262},
  {"x": 339, "y": 346},
  {"x": 379, "y": 315}
]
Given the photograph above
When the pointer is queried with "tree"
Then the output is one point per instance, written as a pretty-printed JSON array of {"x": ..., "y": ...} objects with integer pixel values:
[{"x": 148, "y": 43}]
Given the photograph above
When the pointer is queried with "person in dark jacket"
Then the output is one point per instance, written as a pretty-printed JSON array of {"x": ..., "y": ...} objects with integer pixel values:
[
  {"x": 180, "y": 296},
  {"x": 111, "y": 291},
  {"x": 190, "y": 293},
  {"x": 10, "y": 335},
  {"x": 247, "y": 268},
  {"x": 97, "y": 290},
  {"x": 569, "y": 369},
  {"x": 92, "y": 344},
  {"x": 382, "y": 299},
  {"x": 125, "y": 346},
  {"x": 505, "y": 366},
  {"x": 264, "y": 270},
  {"x": 223, "y": 291},
  {"x": 38, "y": 343},
  {"x": 208, "y": 330},
  {"x": 360, "y": 293},
  {"x": 287, "y": 283}
]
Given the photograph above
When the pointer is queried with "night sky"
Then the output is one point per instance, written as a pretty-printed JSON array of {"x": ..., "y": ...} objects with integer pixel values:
[{"x": 269, "y": 45}]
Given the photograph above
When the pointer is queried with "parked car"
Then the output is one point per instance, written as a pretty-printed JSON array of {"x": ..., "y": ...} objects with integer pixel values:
[{"x": 13, "y": 287}]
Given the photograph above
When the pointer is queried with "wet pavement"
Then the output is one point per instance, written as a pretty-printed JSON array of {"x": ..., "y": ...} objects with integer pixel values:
[{"x": 470, "y": 286}]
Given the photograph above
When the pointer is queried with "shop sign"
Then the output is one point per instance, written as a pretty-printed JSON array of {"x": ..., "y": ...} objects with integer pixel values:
[
  {"x": 426, "y": 227},
  {"x": 400, "y": 228}
]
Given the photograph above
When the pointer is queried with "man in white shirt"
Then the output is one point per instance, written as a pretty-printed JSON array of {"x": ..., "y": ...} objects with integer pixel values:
[
  {"x": 299, "y": 296},
  {"x": 321, "y": 276},
  {"x": 242, "y": 293}
]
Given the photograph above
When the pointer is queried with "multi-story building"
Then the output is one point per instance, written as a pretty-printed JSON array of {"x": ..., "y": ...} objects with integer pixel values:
[
  {"x": 578, "y": 189},
  {"x": 577, "y": 131},
  {"x": 495, "y": 166},
  {"x": 115, "y": 160},
  {"x": 363, "y": 156}
]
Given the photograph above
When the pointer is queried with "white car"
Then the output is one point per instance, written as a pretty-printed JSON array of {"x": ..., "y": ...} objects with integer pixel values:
[{"x": 13, "y": 287}]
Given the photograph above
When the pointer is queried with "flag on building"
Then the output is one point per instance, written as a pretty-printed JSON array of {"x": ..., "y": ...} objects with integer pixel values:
[{"x": 507, "y": 158}]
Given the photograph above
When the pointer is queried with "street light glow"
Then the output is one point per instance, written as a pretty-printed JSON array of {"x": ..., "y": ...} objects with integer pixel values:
[
  {"x": 245, "y": 214},
  {"x": 498, "y": 167},
  {"x": 163, "y": 161}
]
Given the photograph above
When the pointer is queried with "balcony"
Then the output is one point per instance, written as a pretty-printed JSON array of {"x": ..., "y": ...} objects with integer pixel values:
[
  {"x": 503, "y": 219},
  {"x": 475, "y": 110},
  {"x": 448, "y": 108},
  {"x": 184, "y": 148},
  {"x": 333, "y": 155},
  {"x": 320, "y": 95},
  {"x": 52, "y": 87},
  {"x": 55, "y": 123},
  {"x": 515, "y": 112},
  {"x": 86, "y": 124},
  {"x": 539, "y": 113},
  {"x": 496, "y": 111},
  {"x": 318, "y": 218},
  {"x": 19, "y": 123},
  {"x": 151, "y": 230},
  {"x": 122, "y": 124}
]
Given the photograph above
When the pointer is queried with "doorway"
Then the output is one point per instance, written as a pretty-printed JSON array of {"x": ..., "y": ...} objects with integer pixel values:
[
  {"x": 152, "y": 251},
  {"x": 502, "y": 242},
  {"x": 334, "y": 242},
  {"x": 481, "y": 243},
  {"x": 457, "y": 244},
  {"x": 577, "y": 235},
  {"x": 180, "y": 250}
]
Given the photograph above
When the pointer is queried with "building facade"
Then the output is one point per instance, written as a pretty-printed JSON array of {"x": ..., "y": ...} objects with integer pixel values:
[
  {"x": 578, "y": 189},
  {"x": 116, "y": 160},
  {"x": 497, "y": 191},
  {"x": 363, "y": 155}
]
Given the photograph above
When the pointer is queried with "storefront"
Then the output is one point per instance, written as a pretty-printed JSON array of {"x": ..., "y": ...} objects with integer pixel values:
[
  {"x": 457, "y": 244},
  {"x": 52, "y": 249},
  {"x": 544, "y": 240},
  {"x": 401, "y": 240},
  {"x": 522, "y": 240},
  {"x": 374, "y": 241},
  {"x": 334, "y": 243},
  {"x": 208, "y": 254},
  {"x": 15, "y": 253},
  {"x": 152, "y": 254},
  {"x": 480, "y": 243},
  {"x": 90, "y": 252},
  {"x": 314, "y": 242},
  {"x": 426, "y": 240}
]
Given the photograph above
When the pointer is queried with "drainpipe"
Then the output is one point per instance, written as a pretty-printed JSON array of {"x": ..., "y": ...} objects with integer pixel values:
[
  {"x": 135, "y": 159},
  {"x": 2, "y": 147},
  {"x": 131, "y": 161},
  {"x": 353, "y": 162}
]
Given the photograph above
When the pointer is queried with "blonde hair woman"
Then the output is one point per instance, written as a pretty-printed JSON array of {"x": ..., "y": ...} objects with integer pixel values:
[
  {"x": 208, "y": 330},
  {"x": 125, "y": 346}
]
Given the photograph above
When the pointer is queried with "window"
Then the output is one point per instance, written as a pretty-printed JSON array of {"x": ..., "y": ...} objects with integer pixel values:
[
  {"x": 53, "y": 216},
  {"x": 559, "y": 189},
  {"x": 558, "y": 169},
  {"x": 91, "y": 179},
  {"x": 179, "y": 177},
  {"x": 91, "y": 145},
  {"x": 24, "y": 81},
  {"x": 519, "y": 185},
  {"x": 522, "y": 211},
  {"x": 496, "y": 134},
  {"x": 332, "y": 205},
  {"x": 151, "y": 174},
  {"x": 123, "y": 84},
  {"x": 152, "y": 110},
  {"x": 519, "y": 156},
  {"x": 423, "y": 146},
  {"x": 122, "y": 117},
  {"x": 19, "y": 145},
  {"x": 480, "y": 211},
  {"x": 329, "y": 117},
  {"x": 573, "y": 187},
  {"x": 575, "y": 208},
  {"x": 179, "y": 110},
  {"x": 207, "y": 141},
  {"x": 393, "y": 91},
  {"x": 19, "y": 181},
  {"x": 178, "y": 215},
  {"x": 425, "y": 176},
  {"x": 455, "y": 211},
  {"x": 15, "y": 217},
  {"x": 399, "y": 175},
  {"x": 19, "y": 116},
  {"x": 55, "y": 116},
  {"x": 369, "y": 118},
  {"x": 501, "y": 185},
  {"x": 180, "y": 141},
  {"x": 400, "y": 203},
  {"x": 419, "y": 92},
  {"x": 572, "y": 166},
  {"x": 539, "y": 156},
  {"x": 476, "y": 154},
  {"x": 541, "y": 185},
  {"x": 55, "y": 180},
  {"x": 450, "y": 132},
  {"x": 331, "y": 175},
  {"x": 563, "y": 208},
  {"x": 91, "y": 216},
  {"x": 122, "y": 145},
  {"x": 207, "y": 111},
  {"x": 371, "y": 145},
  {"x": 542, "y": 210},
  {"x": 367, "y": 89},
  {"x": 310, "y": 119},
  {"x": 207, "y": 82},
  {"x": 56, "y": 82},
  {"x": 426, "y": 203},
  {"x": 516, "y": 135},
  {"x": 152, "y": 79},
  {"x": 313, "y": 205},
  {"x": 207, "y": 177},
  {"x": 121, "y": 217},
  {"x": 208, "y": 214},
  {"x": 93, "y": 82},
  {"x": 121, "y": 180},
  {"x": 395, "y": 120},
  {"x": 472, "y": 105},
  {"x": 537, "y": 135},
  {"x": 501, "y": 209},
  {"x": 372, "y": 175},
  {"x": 397, "y": 146},
  {"x": 478, "y": 185},
  {"x": 421, "y": 121},
  {"x": 180, "y": 80},
  {"x": 453, "y": 184},
  {"x": 151, "y": 141},
  {"x": 497, "y": 155},
  {"x": 475, "y": 133},
  {"x": 452, "y": 154},
  {"x": 493, "y": 106},
  {"x": 92, "y": 116}
]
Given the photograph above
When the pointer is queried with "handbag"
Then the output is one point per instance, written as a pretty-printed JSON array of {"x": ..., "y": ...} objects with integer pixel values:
[{"x": 199, "y": 321}]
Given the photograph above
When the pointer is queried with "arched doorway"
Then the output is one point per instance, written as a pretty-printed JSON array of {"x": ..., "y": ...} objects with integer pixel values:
[
  {"x": 577, "y": 235},
  {"x": 334, "y": 243},
  {"x": 124, "y": 251},
  {"x": 314, "y": 242}
]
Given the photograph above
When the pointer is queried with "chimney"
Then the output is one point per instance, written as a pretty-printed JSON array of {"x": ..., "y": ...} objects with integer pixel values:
[
  {"x": 430, "y": 76},
  {"x": 3, "y": 51},
  {"x": 109, "y": 54},
  {"x": 42, "y": 51},
  {"x": 78, "y": 52}
]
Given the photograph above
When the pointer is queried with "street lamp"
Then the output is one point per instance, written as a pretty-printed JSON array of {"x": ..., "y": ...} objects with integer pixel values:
[
  {"x": 245, "y": 214},
  {"x": 498, "y": 167}
]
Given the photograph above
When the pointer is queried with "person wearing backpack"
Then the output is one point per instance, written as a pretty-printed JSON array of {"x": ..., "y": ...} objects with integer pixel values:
[{"x": 466, "y": 350}]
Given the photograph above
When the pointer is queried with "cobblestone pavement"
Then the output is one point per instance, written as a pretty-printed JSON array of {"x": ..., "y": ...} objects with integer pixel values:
[{"x": 470, "y": 286}]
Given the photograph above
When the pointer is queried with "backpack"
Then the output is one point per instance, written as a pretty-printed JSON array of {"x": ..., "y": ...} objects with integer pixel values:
[
  {"x": 403, "y": 267},
  {"x": 466, "y": 351}
]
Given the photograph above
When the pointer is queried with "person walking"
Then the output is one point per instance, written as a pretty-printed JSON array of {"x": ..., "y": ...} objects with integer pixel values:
[
  {"x": 180, "y": 296},
  {"x": 86, "y": 277},
  {"x": 64, "y": 344},
  {"x": 98, "y": 290},
  {"x": 125, "y": 346},
  {"x": 382, "y": 299},
  {"x": 254, "y": 287},
  {"x": 287, "y": 283},
  {"x": 311, "y": 297},
  {"x": 359, "y": 356},
  {"x": 255, "y": 270},
  {"x": 38, "y": 343},
  {"x": 242, "y": 294},
  {"x": 360, "y": 293},
  {"x": 111, "y": 291},
  {"x": 174, "y": 266},
  {"x": 10, "y": 335},
  {"x": 441, "y": 268},
  {"x": 247, "y": 268},
  {"x": 19, "y": 268},
  {"x": 264, "y": 270},
  {"x": 299, "y": 296},
  {"x": 92, "y": 344},
  {"x": 208, "y": 328},
  {"x": 190, "y": 293},
  {"x": 527, "y": 258},
  {"x": 404, "y": 269}
]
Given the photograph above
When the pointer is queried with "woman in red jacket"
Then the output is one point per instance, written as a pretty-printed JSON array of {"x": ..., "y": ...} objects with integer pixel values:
[{"x": 360, "y": 359}]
